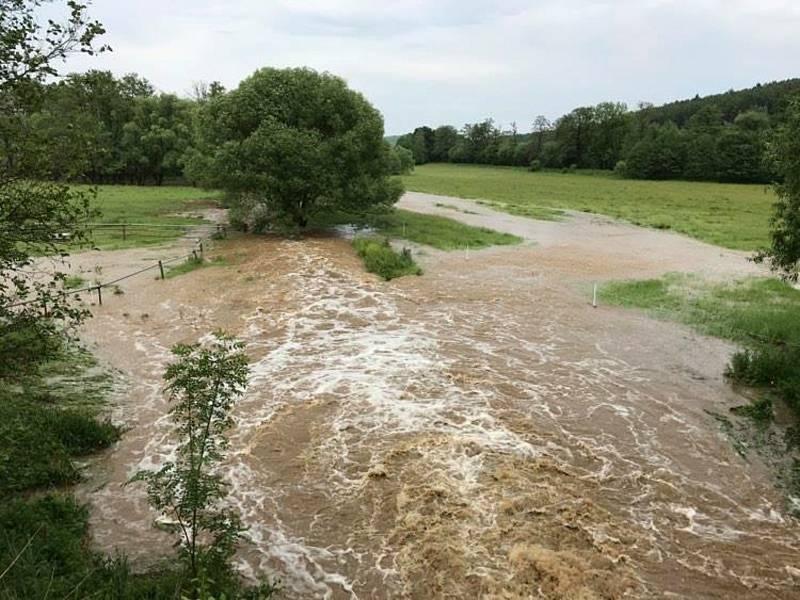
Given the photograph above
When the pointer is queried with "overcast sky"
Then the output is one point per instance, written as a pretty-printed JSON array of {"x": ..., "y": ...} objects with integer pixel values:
[{"x": 456, "y": 61}]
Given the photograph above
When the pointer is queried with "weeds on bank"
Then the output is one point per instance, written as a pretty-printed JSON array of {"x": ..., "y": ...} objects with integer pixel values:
[
  {"x": 761, "y": 314},
  {"x": 48, "y": 418},
  {"x": 380, "y": 258}
]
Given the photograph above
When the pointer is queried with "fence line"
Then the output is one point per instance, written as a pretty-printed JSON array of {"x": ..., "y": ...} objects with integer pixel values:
[{"x": 218, "y": 229}]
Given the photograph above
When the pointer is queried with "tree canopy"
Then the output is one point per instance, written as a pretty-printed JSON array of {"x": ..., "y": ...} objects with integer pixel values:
[
  {"x": 784, "y": 255},
  {"x": 293, "y": 142}
]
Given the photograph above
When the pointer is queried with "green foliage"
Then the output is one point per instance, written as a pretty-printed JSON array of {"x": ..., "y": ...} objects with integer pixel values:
[
  {"x": 47, "y": 415},
  {"x": 44, "y": 544},
  {"x": 25, "y": 342},
  {"x": 192, "y": 264},
  {"x": 380, "y": 258},
  {"x": 733, "y": 216},
  {"x": 431, "y": 230},
  {"x": 759, "y": 410},
  {"x": 29, "y": 48},
  {"x": 39, "y": 441},
  {"x": 33, "y": 217},
  {"x": 660, "y": 155},
  {"x": 93, "y": 126},
  {"x": 718, "y": 138},
  {"x": 297, "y": 142},
  {"x": 203, "y": 385},
  {"x": 784, "y": 254},
  {"x": 401, "y": 161}
]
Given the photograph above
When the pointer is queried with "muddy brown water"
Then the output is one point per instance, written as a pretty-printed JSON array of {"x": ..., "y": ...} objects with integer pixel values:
[{"x": 478, "y": 432}]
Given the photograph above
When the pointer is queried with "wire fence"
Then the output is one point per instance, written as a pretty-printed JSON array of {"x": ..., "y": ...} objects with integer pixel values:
[{"x": 210, "y": 231}]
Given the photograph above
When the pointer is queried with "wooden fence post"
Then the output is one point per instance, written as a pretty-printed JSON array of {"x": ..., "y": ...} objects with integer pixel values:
[
  {"x": 100, "y": 295},
  {"x": 161, "y": 268}
]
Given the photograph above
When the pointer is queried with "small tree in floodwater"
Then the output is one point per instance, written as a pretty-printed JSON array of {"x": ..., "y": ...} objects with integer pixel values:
[{"x": 203, "y": 385}]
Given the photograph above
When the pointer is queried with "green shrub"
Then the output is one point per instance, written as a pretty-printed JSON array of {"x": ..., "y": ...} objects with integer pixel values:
[
  {"x": 37, "y": 443},
  {"x": 47, "y": 537},
  {"x": 25, "y": 344},
  {"x": 759, "y": 410},
  {"x": 536, "y": 165},
  {"x": 381, "y": 259}
]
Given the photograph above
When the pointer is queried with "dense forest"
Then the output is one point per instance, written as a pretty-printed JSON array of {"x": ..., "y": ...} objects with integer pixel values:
[
  {"x": 716, "y": 138},
  {"x": 93, "y": 126}
]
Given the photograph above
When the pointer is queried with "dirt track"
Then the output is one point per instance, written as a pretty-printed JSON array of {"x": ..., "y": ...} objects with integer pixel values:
[{"x": 480, "y": 431}]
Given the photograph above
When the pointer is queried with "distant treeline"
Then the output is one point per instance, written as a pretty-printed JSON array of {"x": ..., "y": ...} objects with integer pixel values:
[
  {"x": 716, "y": 138},
  {"x": 98, "y": 128}
]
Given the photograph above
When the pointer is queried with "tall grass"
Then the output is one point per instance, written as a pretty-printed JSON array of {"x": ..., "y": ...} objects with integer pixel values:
[{"x": 48, "y": 418}]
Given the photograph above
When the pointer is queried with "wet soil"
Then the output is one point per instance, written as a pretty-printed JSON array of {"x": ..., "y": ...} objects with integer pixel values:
[{"x": 477, "y": 432}]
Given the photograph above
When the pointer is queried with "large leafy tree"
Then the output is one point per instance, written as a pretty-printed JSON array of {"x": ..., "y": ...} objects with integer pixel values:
[
  {"x": 784, "y": 255},
  {"x": 294, "y": 142},
  {"x": 156, "y": 137}
]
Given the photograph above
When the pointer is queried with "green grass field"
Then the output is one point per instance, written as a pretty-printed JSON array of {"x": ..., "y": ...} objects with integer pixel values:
[
  {"x": 150, "y": 205},
  {"x": 744, "y": 311},
  {"x": 729, "y": 215}
]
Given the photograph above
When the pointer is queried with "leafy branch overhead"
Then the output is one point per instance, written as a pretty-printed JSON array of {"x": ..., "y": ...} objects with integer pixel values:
[{"x": 29, "y": 49}]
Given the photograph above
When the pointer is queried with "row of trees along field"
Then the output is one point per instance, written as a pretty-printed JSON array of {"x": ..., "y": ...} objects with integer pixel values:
[
  {"x": 717, "y": 138},
  {"x": 96, "y": 127},
  {"x": 99, "y": 128}
]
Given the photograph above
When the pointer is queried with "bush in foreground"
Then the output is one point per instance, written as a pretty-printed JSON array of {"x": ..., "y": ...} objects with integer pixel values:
[{"x": 380, "y": 258}]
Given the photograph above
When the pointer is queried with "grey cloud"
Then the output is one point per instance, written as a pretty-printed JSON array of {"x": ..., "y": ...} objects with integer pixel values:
[{"x": 448, "y": 61}]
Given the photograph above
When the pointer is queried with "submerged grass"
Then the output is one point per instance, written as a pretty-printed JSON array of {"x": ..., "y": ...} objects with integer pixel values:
[
  {"x": 48, "y": 416},
  {"x": 431, "y": 230},
  {"x": 192, "y": 264},
  {"x": 380, "y": 258},
  {"x": 730, "y": 215},
  {"x": 763, "y": 315}
]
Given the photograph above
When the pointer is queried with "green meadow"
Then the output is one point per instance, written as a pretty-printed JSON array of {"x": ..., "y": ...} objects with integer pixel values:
[{"x": 731, "y": 215}]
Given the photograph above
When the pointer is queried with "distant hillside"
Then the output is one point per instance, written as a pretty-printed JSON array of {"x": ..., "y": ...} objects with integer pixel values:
[
  {"x": 771, "y": 97},
  {"x": 392, "y": 139},
  {"x": 722, "y": 137}
]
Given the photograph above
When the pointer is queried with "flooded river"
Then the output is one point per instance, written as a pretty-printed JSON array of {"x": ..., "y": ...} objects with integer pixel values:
[{"x": 477, "y": 432}]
